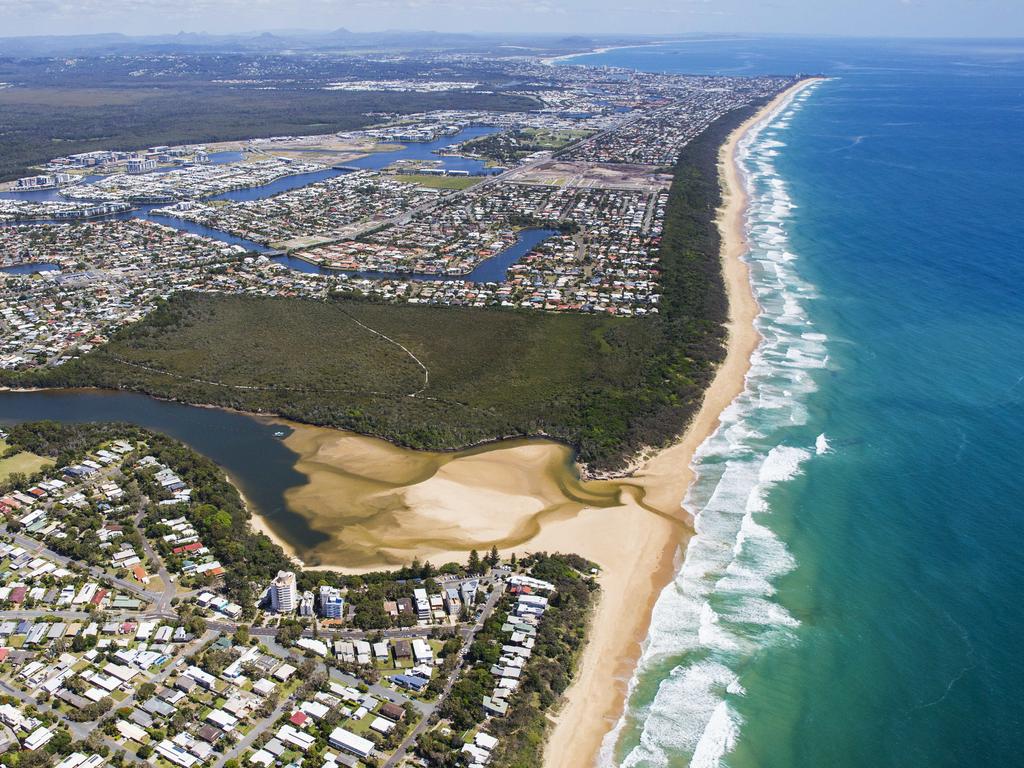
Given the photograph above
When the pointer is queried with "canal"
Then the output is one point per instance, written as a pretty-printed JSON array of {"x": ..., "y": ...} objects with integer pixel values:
[
  {"x": 492, "y": 270},
  {"x": 415, "y": 151}
]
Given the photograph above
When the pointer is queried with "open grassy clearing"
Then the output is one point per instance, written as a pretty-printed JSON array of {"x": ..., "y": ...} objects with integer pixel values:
[{"x": 24, "y": 463}]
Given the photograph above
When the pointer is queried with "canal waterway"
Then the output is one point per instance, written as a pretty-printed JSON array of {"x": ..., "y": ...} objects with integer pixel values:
[
  {"x": 493, "y": 270},
  {"x": 427, "y": 151},
  {"x": 29, "y": 269},
  {"x": 414, "y": 151}
]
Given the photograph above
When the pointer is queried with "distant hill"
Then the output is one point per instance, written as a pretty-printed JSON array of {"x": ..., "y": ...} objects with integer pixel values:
[{"x": 340, "y": 39}]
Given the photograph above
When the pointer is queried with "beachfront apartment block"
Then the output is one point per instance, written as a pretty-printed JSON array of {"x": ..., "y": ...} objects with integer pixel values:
[
  {"x": 332, "y": 604},
  {"x": 284, "y": 592}
]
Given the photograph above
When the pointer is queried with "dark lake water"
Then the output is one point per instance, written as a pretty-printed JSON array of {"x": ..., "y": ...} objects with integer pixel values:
[{"x": 247, "y": 447}]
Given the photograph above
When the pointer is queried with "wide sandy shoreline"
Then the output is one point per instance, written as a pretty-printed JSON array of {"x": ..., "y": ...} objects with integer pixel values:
[{"x": 595, "y": 700}]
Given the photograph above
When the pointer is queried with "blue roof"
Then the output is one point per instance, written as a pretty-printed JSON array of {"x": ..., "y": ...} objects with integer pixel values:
[{"x": 411, "y": 681}]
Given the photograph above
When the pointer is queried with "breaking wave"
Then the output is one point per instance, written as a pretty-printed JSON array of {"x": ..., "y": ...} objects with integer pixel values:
[{"x": 720, "y": 609}]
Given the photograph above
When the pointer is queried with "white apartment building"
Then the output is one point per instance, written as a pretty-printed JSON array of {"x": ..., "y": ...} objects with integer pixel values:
[{"x": 284, "y": 594}]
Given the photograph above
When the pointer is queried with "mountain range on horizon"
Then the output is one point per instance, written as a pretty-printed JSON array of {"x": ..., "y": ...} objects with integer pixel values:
[{"x": 295, "y": 40}]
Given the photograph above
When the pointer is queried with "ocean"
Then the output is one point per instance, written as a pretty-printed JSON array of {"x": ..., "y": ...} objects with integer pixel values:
[{"x": 853, "y": 593}]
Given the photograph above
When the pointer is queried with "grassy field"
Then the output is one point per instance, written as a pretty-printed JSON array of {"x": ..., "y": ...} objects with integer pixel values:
[
  {"x": 24, "y": 463},
  {"x": 608, "y": 386},
  {"x": 549, "y": 139},
  {"x": 439, "y": 182}
]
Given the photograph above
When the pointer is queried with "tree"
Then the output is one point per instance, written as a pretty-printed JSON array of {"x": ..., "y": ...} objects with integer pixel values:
[
  {"x": 60, "y": 743},
  {"x": 474, "y": 562},
  {"x": 288, "y": 632},
  {"x": 493, "y": 559},
  {"x": 146, "y": 690}
]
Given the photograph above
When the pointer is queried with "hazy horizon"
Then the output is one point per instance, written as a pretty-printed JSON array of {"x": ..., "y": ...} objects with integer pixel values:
[{"x": 848, "y": 18}]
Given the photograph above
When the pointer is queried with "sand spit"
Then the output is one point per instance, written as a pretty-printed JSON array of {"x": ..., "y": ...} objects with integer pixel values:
[{"x": 395, "y": 504}]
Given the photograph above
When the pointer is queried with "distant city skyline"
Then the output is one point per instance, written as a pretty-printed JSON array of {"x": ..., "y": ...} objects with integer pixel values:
[{"x": 926, "y": 18}]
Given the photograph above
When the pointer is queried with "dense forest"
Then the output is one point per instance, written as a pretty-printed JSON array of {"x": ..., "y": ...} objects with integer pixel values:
[{"x": 607, "y": 386}]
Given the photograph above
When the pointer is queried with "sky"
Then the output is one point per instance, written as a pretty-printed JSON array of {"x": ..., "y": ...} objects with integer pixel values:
[{"x": 908, "y": 18}]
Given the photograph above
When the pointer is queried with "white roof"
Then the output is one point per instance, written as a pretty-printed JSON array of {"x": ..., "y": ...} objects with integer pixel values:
[
  {"x": 264, "y": 687},
  {"x": 222, "y": 719},
  {"x": 261, "y": 757},
  {"x": 37, "y": 738},
  {"x": 485, "y": 741},
  {"x": 284, "y": 671},
  {"x": 350, "y": 742},
  {"x": 130, "y": 731}
]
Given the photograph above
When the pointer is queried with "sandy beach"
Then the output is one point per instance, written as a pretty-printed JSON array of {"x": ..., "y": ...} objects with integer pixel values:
[
  {"x": 523, "y": 496},
  {"x": 596, "y": 698}
]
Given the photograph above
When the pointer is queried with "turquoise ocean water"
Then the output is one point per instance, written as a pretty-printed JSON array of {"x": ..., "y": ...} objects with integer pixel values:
[{"x": 854, "y": 595}]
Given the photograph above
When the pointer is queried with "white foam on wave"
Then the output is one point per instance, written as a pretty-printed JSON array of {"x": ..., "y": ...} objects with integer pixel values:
[
  {"x": 718, "y": 738},
  {"x": 673, "y": 722},
  {"x": 782, "y": 463},
  {"x": 720, "y": 608},
  {"x": 821, "y": 445}
]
